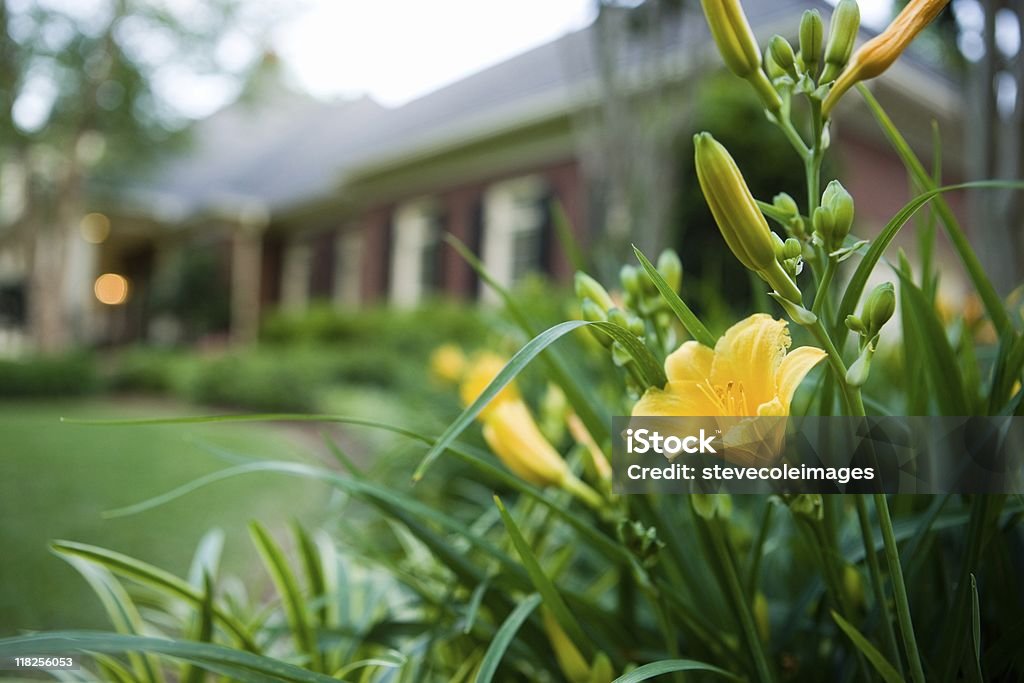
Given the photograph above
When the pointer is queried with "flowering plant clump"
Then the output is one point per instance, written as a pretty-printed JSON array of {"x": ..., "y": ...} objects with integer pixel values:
[{"x": 557, "y": 577}]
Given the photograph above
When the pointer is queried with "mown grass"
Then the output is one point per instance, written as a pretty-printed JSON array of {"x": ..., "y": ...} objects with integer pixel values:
[{"x": 56, "y": 480}]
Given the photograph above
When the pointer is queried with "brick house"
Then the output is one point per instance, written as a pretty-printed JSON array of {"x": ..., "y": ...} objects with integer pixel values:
[{"x": 302, "y": 200}]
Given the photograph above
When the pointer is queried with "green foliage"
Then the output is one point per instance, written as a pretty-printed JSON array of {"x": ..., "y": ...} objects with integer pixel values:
[{"x": 48, "y": 376}]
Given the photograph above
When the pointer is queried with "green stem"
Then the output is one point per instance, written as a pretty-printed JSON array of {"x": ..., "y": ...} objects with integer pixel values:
[
  {"x": 821, "y": 295},
  {"x": 899, "y": 589},
  {"x": 877, "y": 586},
  {"x": 851, "y": 395},
  {"x": 739, "y": 599}
]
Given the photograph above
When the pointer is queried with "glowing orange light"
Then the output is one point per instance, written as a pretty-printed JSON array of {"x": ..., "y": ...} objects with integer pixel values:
[{"x": 111, "y": 289}]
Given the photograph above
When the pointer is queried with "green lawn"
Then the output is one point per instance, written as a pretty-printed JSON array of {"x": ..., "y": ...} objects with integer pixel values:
[{"x": 56, "y": 479}]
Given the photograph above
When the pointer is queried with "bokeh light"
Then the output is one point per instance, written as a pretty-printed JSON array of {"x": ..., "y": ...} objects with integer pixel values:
[
  {"x": 111, "y": 289},
  {"x": 95, "y": 228}
]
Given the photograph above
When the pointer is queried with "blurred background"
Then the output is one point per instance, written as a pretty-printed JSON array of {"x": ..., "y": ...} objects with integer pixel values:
[{"x": 241, "y": 205}]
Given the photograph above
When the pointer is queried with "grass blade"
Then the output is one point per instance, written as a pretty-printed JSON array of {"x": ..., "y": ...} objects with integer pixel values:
[
  {"x": 687, "y": 317},
  {"x": 552, "y": 598},
  {"x": 976, "y": 272},
  {"x": 882, "y": 666},
  {"x": 879, "y": 244},
  {"x": 165, "y": 582},
  {"x": 500, "y": 642},
  {"x": 655, "y": 669},
  {"x": 121, "y": 610},
  {"x": 240, "y": 665},
  {"x": 941, "y": 367},
  {"x": 976, "y": 630},
  {"x": 291, "y": 597}
]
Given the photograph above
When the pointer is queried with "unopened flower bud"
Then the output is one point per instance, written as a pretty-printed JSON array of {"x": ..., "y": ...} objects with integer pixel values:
[
  {"x": 738, "y": 217},
  {"x": 733, "y": 36},
  {"x": 879, "y": 307},
  {"x": 840, "y": 203},
  {"x": 824, "y": 224},
  {"x": 811, "y": 33},
  {"x": 842, "y": 32},
  {"x": 855, "y": 324},
  {"x": 617, "y": 316},
  {"x": 809, "y": 505},
  {"x": 782, "y": 54},
  {"x": 773, "y": 70},
  {"x": 792, "y": 248},
  {"x": 878, "y": 54},
  {"x": 858, "y": 373},
  {"x": 589, "y": 288},
  {"x": 738, "y": 46},
  {"x": 670, "y": 268},
  {"x": 711, "y": 505},
  {"x": 783, "y": 202},
  {"x": 630, "y": 279}
]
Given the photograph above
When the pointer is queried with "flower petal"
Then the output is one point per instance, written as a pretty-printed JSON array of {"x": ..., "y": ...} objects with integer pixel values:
[
  {"x": 748, "y": 355},
  {"x": 691, "y": 361},
  {"x": 683, "y": 399},
  {"x": 794, "y": 368}
]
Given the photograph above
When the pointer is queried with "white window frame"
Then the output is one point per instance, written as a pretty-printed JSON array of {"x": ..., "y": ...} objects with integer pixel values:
[
  {"x": 416, "y": 227},
  {"x": 511, "y": 208}
]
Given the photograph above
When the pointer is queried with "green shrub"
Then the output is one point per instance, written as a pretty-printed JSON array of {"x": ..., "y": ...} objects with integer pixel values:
[{"x": 48, "y": 376}]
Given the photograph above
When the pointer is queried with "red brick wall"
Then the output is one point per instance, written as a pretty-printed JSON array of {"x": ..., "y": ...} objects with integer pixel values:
[{"x": 376, "y": 227}]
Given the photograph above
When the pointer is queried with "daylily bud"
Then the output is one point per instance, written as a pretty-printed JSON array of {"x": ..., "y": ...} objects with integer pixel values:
[
  {"x": 858, "y": 373},
  {"x": 809, "y": 505},
  {"x": 879, "y": 307},
  {"x": 782, "y": 54},
  {"x": 840, "y": 203},
  {"x": 773, "y": 70},
  {"x": 855, "y": 324},
  {"x": 733, "y": 36},
  {"x": 574, "y": 667},
  {"x": 739, "y": 219},
  {"x": 630, "y": 279},
  {"x": 878, "y": 54},
  {"x": 842, "y": 32},
  {"x": 824, "y": 225},
  {"x": 671, "y": 268},
  {"x": 792, "y": 248},
  {"x": 783, "y": 202},
  {"x": 619, "y": 317},
  {"x": 591, "y": 312},
  {"x": 761, "y": 617},
  {"x": 740, "y": 52},
  {"x": 811, "y": 33},
  {"x": 711, "y": 505},
  {"x": 853, "y": 584},
  {"x": 779, "y": 246},
  {"x": 589, "y": 288}
]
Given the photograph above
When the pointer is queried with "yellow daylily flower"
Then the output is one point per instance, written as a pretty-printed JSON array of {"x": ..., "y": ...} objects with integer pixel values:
[
  {"x": 747, "y": 374},
  {"x": 447, "y": 363},
  {"x": 513, "y": 435},
  {"x": 481, "y": 371},
  {"x": 878, "y": 54}
]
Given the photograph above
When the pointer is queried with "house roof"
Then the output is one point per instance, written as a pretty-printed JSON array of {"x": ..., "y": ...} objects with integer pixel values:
[{"x": 285, "y": 149}]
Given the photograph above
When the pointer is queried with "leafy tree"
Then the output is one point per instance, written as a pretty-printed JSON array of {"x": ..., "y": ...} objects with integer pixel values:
[{"x": 89, "y": 89}]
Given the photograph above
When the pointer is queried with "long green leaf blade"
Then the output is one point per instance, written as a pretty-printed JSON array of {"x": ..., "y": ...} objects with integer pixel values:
[
  {"x": 207, "y": 655},
  {"x": 655, "y": 669},
  {"x": 687, "y": 317},
  {"x": 500, "y": 642},
  {"x": 147, "y": 574},
  {"x": 552, "y": 598},
  {"x": 877, "y": 659},
  {"x": 986, "y": 291},
  {"x": 291, "y": 597}
]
